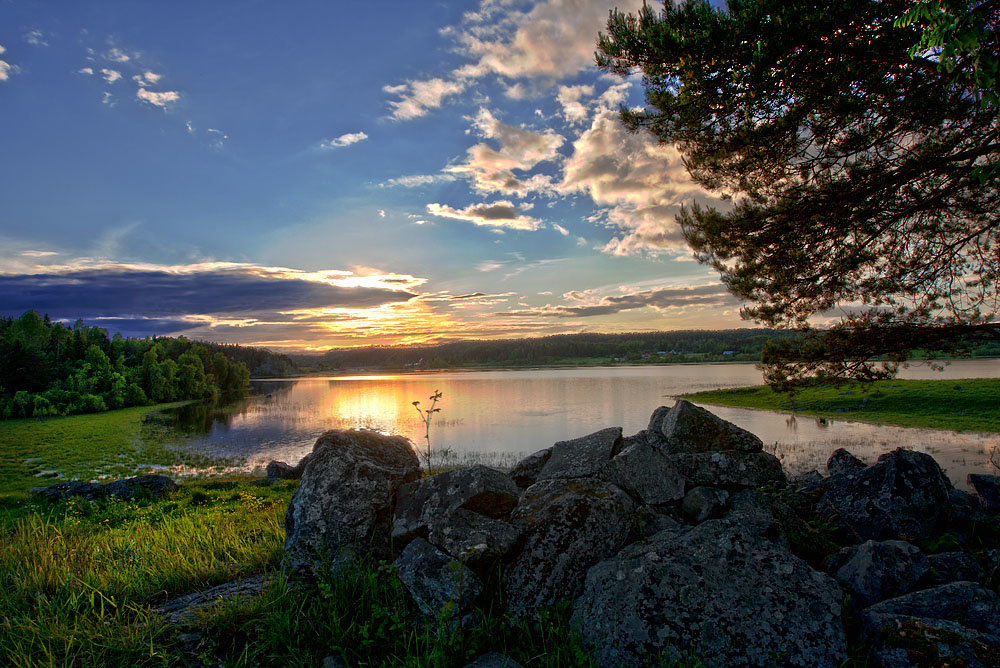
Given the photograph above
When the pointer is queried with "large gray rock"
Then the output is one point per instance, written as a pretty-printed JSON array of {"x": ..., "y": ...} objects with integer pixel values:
[
  {"x": 143, "y": 486},
  {"x": 525, "y": 472},
  {"x": 472, "y": 538},
  {"x": 567, "y": 525},
  {"x": 951, "y": 625},
  {"x": 946, "y": 567},
  {"x": 874, "y": 571},
  {"x": 646, "y": 473},
  {"x": 719, "y": 591},
  {"x": 283, "y": 471},
  {"x": 766, "y": 516},
  {"x": 904, "y": 495},
  {"x": 690, "y": 428},
  {"x": 702, "y": 503},
  {"x": 342, "y": 508},
  {"x": 582, "y": 457},
  {"x": 436, "y": 580},
  {"x": 477, "y": 488},
  {"x": 988, "y": 489},
  {"x": 729, "y": 468},
  {"x": 842, "y": 461}
]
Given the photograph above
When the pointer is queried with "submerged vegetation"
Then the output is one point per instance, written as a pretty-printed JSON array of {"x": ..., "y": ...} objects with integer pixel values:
[{"x": 962, "y": 405}]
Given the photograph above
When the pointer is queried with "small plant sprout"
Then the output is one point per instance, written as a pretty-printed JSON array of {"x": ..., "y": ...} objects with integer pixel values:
[{"x": 427, "y": 414}]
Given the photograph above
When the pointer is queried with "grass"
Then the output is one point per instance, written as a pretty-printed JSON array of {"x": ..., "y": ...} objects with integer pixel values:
[
  {"x": 112, "y": 444},
  {"x": 957, "y": 405}
]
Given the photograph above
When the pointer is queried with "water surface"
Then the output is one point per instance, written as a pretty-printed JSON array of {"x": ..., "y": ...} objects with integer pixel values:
[{"x": 498, "y": 416}]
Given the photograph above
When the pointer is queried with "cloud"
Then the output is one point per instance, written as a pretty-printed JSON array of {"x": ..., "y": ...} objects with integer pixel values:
[
  {"x": 492, "y": 169},
  {"x": 116, "y": 55},
  {"x": 35, "y": 38},
  {"x": 560, "y": 229},
  {"x": 158, "y": 99},
  {"x": 660, "y": 299},
  {"x": 416, "y": 98},
  {"x": 501, "y": 214},
  {"x": 110, "y": 76},
  {"x": 216, "y": 138},
  {"x": 573, "y": 110},
  {"x": 89, "y": 71},
  {"x": 381, "y": 213},
  {"x": 527, "y": 50},
  {"x": 417, "y": 180},
  {"x": 37, "y": 253},
  {"x": 343, "y": 140},
  {"x": 183, "y": 292},
  {"x": 5, "y": 67},
  {"x": 640, "y": 182}
]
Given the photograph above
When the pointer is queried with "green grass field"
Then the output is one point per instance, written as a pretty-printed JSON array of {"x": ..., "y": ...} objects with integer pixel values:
[{"x": 957, "y": 405}]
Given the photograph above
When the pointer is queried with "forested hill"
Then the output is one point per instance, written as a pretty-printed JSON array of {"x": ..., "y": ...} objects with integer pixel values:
[
  {"x": 48, "y": 368},
  {"x": 649, "y": 347}
]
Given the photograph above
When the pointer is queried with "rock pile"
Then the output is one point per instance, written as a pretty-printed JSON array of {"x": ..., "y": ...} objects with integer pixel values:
[{"x": 685, "y": 538}]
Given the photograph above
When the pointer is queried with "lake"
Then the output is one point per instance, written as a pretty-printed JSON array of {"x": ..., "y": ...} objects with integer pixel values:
[{"x": 496, "y": 417}]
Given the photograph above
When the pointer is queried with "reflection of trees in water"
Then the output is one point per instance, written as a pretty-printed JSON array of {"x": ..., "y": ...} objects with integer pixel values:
[{"x": 203, "y": 416}]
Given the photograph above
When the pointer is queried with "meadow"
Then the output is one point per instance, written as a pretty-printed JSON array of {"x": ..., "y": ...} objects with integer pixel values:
[{"x": 956, "y": 405}]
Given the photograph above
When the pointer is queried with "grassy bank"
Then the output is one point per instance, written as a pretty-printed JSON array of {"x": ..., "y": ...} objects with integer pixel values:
[
  {"x": 80, "y": 580},
  {"x": 112, "y": 444},
  {"x": 959, "y": 405}
]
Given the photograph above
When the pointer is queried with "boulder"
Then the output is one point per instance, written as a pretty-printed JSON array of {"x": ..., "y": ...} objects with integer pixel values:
[
  {"x": 842, "y": 461},
  {"x": 525, "y": 472},
  {"x": 645, "y": 473},
  {"x": 730, "y": 468},
  {"x": 567, "y": 525},
  {"x": 768, "y": 517},
  {"x": 477, "y": 488},
  {"x": 648, "y": 521},
  {"x": 690, "y": 428},
  {"x": 472, "y": 538},
  {"x": 143, "y": 486},
  {"x": 436, "y": 580},
  {"x": 904, "y": 495},
  {"x": 719, "y": 591},
  {"x": 955, "y": 624},
  {"x": 702, "y": 503},
  {"x": 582, "y": 457},
  {"x": 282, "y": 471},
  {"x": 988, "y": 489},
  {"x": 946, "y": 567},
  {"x": 874, "y": 571},
  {"x": 342, "y": 508}
]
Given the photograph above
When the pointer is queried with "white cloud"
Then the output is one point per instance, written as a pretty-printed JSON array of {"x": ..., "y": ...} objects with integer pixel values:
[
  {"x": 640, "y": 183},
  {"x": 501, "y": 214},
  {"x": 381, "y": 213},
  {"x": 190, "y": 127},
  {"x": 5, "y": 67},
  {"x": 492, "y": 169},
  {"x": 528, "y": 51},
  {"x": 161, "y": 99},
  {"x": 560, "y": 229},
  {"x": 343, "y": 140},
  {"x": 416, "y": 180},
  {"x": 573, "y": 110},
  {"x": 89, "y": 71},
  {"x": 35, "y": 38},
  {"x": 416, "y": 98},
  {"x": 111, "y": 76},
  {"x": 116, "y": 55}
]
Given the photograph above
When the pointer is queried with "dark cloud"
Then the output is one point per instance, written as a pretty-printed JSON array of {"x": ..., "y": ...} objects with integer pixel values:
[
  {"x": 139, "y": 326},
  {"x": 706, "y": 295},
  {"x": 164, "y": 295}
]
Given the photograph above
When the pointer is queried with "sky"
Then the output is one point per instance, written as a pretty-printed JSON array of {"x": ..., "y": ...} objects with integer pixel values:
[{"x": 307, "y": 175}]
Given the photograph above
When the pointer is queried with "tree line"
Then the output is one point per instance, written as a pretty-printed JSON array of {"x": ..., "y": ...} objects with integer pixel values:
[
  {"x": 677, "y": 346},
  {"x": 48, "y": 368}
]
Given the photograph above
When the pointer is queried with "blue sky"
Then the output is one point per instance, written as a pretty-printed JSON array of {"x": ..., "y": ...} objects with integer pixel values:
[{"x": 304, "y": 175}]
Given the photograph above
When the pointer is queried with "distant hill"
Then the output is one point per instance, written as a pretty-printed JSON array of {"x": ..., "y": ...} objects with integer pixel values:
[{"x": 737, "y": 345}]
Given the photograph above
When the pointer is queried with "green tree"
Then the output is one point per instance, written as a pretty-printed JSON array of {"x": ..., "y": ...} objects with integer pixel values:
[{"x": 849, "y": 167}]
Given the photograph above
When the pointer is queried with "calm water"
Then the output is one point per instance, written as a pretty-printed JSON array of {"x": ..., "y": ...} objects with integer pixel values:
[{"x": 495, "y": 417}]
